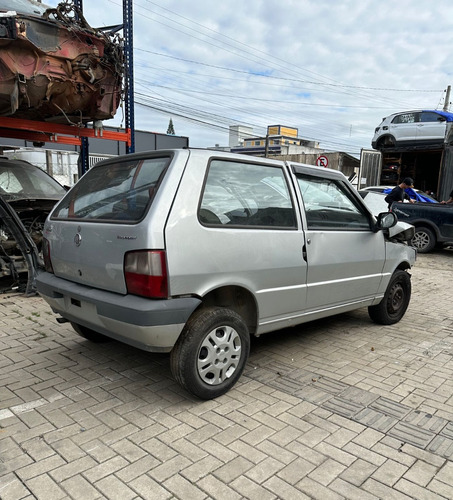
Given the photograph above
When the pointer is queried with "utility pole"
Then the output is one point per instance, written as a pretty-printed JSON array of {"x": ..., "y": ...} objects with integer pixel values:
[{"x": 447, "y": 99}]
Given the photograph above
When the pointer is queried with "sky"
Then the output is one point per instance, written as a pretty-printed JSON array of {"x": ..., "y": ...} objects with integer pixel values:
[{"x": 332, "y": 69}]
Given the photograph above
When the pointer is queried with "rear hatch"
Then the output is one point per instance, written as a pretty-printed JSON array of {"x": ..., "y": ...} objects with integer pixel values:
[{"x": 104, "y": 216}]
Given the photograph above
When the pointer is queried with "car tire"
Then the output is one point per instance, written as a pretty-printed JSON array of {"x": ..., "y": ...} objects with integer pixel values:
[
  {"x": 424, "y": 240},
  {"x": 211, "y": 352},
  {"x": 89, "y": 334},
  {"x": 395, "y": 301}
]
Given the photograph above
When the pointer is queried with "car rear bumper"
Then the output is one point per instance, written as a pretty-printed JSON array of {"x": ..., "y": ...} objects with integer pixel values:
[{"x": 151, "y": 325}]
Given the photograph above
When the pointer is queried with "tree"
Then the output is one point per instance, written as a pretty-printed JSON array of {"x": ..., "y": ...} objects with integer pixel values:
[{"x": 170, "y": 129}]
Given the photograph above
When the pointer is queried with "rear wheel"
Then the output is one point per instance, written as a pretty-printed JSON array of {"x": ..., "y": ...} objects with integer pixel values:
[
  {"x": 395, "y": 301},
  {"x": 89, "y": 334},
  {"x": 211, "y": 352},
  {"x": 423, "y": 240}
]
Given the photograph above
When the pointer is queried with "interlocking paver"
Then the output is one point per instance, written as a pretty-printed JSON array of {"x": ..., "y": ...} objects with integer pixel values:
[
  {"x": 415, "y": 491},
  {"x": 44, "y": 488},
  {"x": 383, "y": 491},
  {"x": 113, "y": 488},
  {"x": 169, "y": 468},
  {"x": 317, "y": 491},
  {"x": 327, "y": 472},
  {"x": 296, "y": 470},
  {"x": 182, "y": 488},
  {"x": 390, "y": 472},
  {"x": 214, "y": 488},
  {"x": 283, "y": 490},
  {"x": 80, "y": 420},
  {"x": 265, "y": 469},
  {"x": 358, "y": 472},
  {"x": 78, "y": 487},
  {"x": 250, "y": 490}
]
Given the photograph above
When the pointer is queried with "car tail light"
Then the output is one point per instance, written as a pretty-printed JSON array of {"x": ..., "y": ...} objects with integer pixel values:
[
  {"x": 146, "y": 273},
  {"x": 46, "y": 255}
]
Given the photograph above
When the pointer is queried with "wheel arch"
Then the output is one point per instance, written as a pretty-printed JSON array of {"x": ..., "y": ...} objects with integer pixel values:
[
  {"x": 236, "y": 298},
  {"x": 428, "y": 224},
  {"x": 381, "y": 142},
  {"x": 403, "y": 266}
]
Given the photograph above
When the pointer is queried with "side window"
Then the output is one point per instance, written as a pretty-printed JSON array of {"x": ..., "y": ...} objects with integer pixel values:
[
  {"x": 245, "y": 194},
  {"x": 329, "y": 205},
  {"x": 405, "y": 118},
  {"x": 428, "y": 116}
]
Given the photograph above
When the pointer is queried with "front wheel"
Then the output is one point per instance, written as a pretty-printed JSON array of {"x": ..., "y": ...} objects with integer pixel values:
[
  {"x": 423, "y": 240},
  {"x": 211, "y": 352},
  {"x": 395, "y": 301}
]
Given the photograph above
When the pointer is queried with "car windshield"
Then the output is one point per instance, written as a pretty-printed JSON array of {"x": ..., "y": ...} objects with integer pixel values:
[
  {"x": 21, "y": 180},
  {"x": 115, "y": 191}
]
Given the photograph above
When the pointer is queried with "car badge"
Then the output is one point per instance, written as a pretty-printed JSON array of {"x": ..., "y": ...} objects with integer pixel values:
[{"x": 77, "y": 239}]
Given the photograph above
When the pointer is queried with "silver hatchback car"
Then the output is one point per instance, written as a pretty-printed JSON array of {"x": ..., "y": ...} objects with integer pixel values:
[
  {"x": 192, "y": 252},
  {"x": 412, "y": 128}
]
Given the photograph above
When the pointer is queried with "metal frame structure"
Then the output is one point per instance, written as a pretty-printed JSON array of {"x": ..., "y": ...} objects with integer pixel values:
[{"x": 40, "y": 132}]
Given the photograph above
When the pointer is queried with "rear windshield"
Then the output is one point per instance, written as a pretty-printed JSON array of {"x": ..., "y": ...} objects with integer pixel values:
[{"x": 114, "y": 192}]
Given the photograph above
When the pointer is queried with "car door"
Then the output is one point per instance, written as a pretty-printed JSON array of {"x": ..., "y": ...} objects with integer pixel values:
[
  {"x": 431, "y": 127},
  {"x": 246, "y": 232},
  {"x": 404, "y": 127},
  {"x": 345, "y": 257}
]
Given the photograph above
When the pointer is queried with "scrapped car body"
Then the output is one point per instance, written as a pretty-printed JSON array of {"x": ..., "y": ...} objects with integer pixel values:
[
  {"x": 192, "y": 252},
  {"x": 54, "y": 66},
  {"x": 422, "y": 128},
  {"x": 27, "y": 194}
]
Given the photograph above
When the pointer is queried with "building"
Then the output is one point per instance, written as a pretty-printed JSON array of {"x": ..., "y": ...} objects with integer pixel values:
[
  {"x": 284, "y": 143},
  {"x": 279, "y": 140},
  {"x": 237, "y": 135}
]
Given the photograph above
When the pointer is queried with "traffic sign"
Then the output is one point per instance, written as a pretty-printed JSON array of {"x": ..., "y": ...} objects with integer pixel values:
[{"x": 322, "y": 161}]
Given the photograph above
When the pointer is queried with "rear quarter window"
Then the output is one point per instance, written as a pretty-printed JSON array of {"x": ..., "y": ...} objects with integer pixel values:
[
  {"x": 245, "y": 195},
  {"x": 119, "y": 192}
]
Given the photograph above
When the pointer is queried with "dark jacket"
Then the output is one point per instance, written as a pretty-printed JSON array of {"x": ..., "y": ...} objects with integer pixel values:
[{"x": 396, "y": 194}]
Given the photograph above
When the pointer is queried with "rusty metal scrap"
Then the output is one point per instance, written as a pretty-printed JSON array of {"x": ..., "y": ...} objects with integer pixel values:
[{"x": 56, "y": 67}]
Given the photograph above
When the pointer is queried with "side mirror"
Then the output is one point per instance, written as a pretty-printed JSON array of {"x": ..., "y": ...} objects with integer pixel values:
[{"x": 386, "y": 220}]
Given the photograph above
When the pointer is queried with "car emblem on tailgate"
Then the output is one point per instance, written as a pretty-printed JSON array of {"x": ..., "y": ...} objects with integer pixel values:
[{"x": 78, "y": 239}]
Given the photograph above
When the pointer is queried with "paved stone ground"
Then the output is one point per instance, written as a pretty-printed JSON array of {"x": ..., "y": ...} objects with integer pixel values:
[{"x": 340, "y": 408}]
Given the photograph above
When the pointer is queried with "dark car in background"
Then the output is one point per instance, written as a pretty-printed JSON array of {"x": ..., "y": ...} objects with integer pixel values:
[
  {"x": 433, "y": 222},
  {"x": 27, "y": 194}
]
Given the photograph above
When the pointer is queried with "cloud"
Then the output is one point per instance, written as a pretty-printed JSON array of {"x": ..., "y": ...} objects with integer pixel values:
[{"x": 331, "y": 69}]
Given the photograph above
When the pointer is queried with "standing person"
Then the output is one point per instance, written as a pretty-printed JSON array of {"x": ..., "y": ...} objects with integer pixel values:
[
  {"x": 398, "y": 193},
  {"x": 449, "y": 200}
]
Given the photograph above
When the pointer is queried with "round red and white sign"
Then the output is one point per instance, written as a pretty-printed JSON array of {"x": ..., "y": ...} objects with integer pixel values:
[{"x": 322, "y": 161}]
